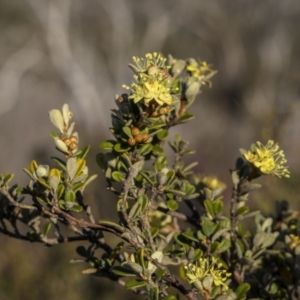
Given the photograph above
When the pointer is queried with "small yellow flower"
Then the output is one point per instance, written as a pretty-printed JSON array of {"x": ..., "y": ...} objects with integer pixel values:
[
  {"x": 207, "y": 267},
  {"x": 268, "y": 159},
  {"x": 150, "y": 90},
  {"x": 212, "y": 183},
  {"x": 200, "y": 70},
  {"x": 151, "y": 60},
  {"x": 194, "y": 273},
  {"x": 295, "y": 241}
]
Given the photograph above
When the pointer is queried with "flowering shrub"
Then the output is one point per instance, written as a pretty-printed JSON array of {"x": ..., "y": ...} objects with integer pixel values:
[{"x": 207, "y": 253}]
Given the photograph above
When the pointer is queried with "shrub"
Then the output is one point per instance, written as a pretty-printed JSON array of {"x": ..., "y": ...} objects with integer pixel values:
[{"x": 204, "y": 254}]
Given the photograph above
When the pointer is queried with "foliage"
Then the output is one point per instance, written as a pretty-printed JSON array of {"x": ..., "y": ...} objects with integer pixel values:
[{"x": 163, "y": 253}]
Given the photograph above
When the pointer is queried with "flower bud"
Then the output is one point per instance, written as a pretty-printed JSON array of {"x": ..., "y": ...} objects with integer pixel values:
[
  {"x": 155, "y": 114},
  {"x": 164, "y": 110},
  {"x": 139, "y": 138},
  {"x": 135, "y": 131},
  {"x": 73, "y": 146},
  {"x": 145, "y": 137},
  {"x": 74, "y": 138},
  {"x": 131, "y": 142},
  {"x": 67, "y": 141}
]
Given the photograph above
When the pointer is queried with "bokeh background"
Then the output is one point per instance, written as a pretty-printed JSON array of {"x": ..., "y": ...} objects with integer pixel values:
[{"x": 73, "y": 51}]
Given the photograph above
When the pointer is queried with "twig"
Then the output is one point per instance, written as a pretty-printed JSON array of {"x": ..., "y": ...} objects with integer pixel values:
[{"x": 13, "y": 202}]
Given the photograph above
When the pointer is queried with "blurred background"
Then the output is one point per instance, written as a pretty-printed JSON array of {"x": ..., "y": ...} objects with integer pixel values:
[{"x": 70, "y": 51}]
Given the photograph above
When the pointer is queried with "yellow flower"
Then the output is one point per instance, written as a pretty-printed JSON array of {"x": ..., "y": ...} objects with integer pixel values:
[
  {"x": 142, "y": 65},
  {"x": 196, "y": 272},
  {"x": 207, "y": 267},
  {"x": 148, "y": 90},
  {"x": 220, "y": 275},
  {"x": 295, "y": 241},
  {"x": 212, "y": 183},
  {"x": 268, "y": 159},
  {"x": 200, "y": 70}
]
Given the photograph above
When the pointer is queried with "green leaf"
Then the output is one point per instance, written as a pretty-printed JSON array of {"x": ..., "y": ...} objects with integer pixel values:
[
  {"x": 154, "y": 293},
  {"x": 56, "y": 119},
  {"x": 71, "y": 167},
  {"x": 219, "y": 233},
  {"x": 209, "y": 205},
  {"x": 145, "y": 149},
  {"x": 54, "y": 134},
  {"x": 43, "y": 182},
  {"x": 111, "y": 224},
  {"x": 135, "y": 210},
  {"x": 207, "y": 282},
  {"x": 239, "y": 246},
  {"x": 160, "y": 163},
  {"x": 61, "y": 146},
  {"x": 189, "y": 234},
  {"x": 157, "y": 150},
  {"x": 190, "y": 151},
  {"x": 218, "y": 206},
  {"x": 162, "y": 134},
  {"x": 154, "y": 231},
  {"x": 175, "y": 192},
  {"x": 61, "y": 204},
  {"x": 89, "y": 180},
  {"x": 224, "y": 245},
  {"x": 242, "y": 210},
  {"x": 172, "y": 204},
  {"x": 46, "y": 228},
  {"x": 235, "y": 177},
  {"x": 146, "y": 177},
  {"x": 157, "y": 125},
  {"x": 138, "y": 269},
  {"x": 77, "y": 186},
  {"x": 200, "y": 235},
  {"x": 121, "y": 271},
  {"x": 127, "y": 131},
  {"x": 143, "y": 201},
  {"x": 70, "y": 196},
  {"x": 77, "y": 208},
  {"x": 242, "y": 290},
  {"x": 192, "y": 196},
  {"x": 118, "y": 176},
  {"x": 81, "y": 163},
  {"x": 7, "y": 178},
  {"x": 33, "y": 166},
  {"x": 134, "y": 284},
  {"x": 208, "y": 226},
  {"x": 214, "y": 246},
  {"x": 60, "y": 190},
  {"x": 107, "y": 145},
  {"x": 249, "y": 187},
  {"x": 190, "y": 166},
  {"x": 186, "y": 116},
  {"x": 83, "y": 152},
  {"x": 121, "y": 148},
  {"x": 60, "y": 162}
]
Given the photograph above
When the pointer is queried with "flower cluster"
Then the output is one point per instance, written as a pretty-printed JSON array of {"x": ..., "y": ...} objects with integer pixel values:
[
  {"x": 200, "y": 70},
  {"x": 268, "y": 159},
  {"x": 151, "y": 84},
  {"x": 206, "y": 267}
]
